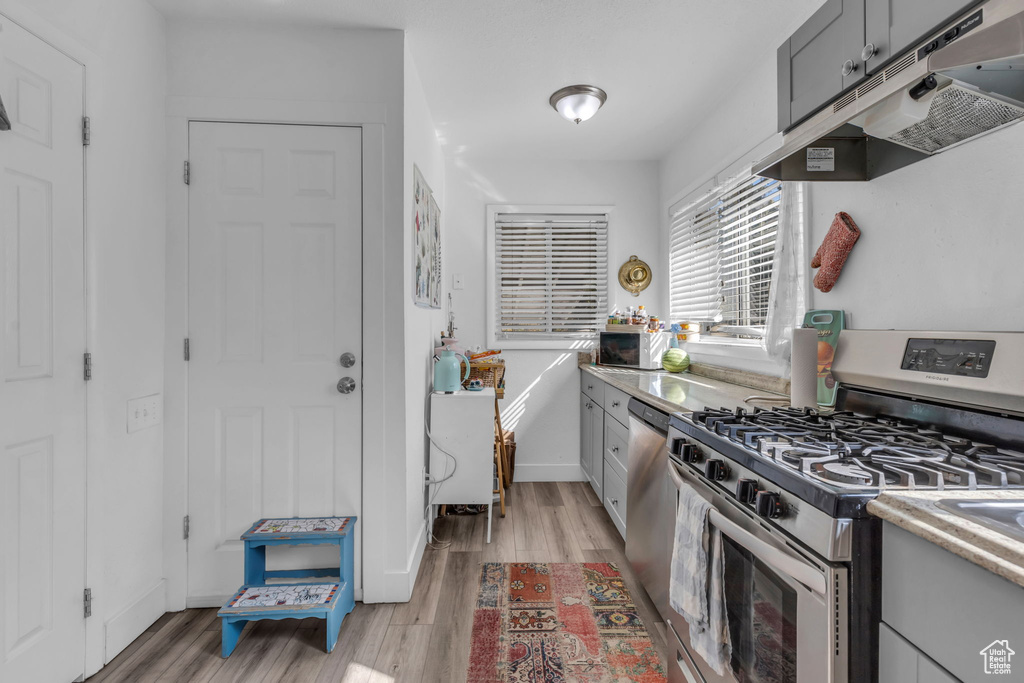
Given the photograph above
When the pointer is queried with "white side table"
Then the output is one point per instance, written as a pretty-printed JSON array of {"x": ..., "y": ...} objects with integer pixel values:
[{"x": 463, "y": 425}]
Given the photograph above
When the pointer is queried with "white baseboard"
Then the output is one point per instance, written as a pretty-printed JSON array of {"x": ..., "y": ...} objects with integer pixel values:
[
  {"x": 125, "y": 626},
  {"x": 527, "y": 472},
  {"x": 203, "y": 601},
  {"x": 398, "y": 585}
]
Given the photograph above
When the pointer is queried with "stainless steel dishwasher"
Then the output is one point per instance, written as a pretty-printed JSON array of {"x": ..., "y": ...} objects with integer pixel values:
[{"x": 652, "y": 496}]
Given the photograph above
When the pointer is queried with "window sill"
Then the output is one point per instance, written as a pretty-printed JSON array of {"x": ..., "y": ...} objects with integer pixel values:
[{"x": 746, "y": 349}]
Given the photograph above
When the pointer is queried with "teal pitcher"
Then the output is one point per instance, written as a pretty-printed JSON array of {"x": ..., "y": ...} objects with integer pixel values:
[{"x": 447, "y": 371}]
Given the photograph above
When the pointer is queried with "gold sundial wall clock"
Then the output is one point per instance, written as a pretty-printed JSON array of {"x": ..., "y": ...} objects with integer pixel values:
[{"x": 634, "y": 276}]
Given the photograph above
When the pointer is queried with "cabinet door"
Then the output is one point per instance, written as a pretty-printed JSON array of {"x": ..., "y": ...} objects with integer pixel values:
[
  {"x": 894, "y": 26},
  {"x": 597, "y": 452},
  {"x": 811, "y": 62},
  {"x": 900, "y": 662},
  {"x": 586, "y": 412}
]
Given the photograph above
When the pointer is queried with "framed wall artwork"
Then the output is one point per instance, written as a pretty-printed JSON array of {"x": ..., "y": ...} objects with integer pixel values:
[{"x": 426, "y": 225}]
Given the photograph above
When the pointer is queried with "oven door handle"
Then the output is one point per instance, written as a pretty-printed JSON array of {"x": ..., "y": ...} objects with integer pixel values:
[{"x": 789, "y": 565}]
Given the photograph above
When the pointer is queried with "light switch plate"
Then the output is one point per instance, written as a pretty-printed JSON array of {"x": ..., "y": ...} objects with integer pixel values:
[
  {"x": 457, "y": 281},
  {"x": 145, "y": 412}
]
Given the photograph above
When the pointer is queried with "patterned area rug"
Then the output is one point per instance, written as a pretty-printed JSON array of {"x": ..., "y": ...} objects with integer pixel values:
[{"x": 555, "y": 623}]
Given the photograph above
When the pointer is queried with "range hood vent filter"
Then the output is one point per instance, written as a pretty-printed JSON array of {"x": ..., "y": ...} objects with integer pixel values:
[{"x": 956, "y": 114}]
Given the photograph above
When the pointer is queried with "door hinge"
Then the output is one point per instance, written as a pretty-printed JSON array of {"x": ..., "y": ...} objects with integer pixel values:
[
  {"x": 87, "y": 366},
  {"x": 188, "y": 353},
  {"x": 86, "y": 131},
  {"x": 188, "y": 173},
  {"x": 185, "y": 527},
  {"x": 87, "y": 603}
]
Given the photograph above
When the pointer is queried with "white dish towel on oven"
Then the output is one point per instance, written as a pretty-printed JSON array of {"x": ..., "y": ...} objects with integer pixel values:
[{"x": 697, "y": 590}]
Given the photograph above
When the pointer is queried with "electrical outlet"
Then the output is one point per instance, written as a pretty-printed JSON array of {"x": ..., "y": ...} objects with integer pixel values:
[{"x": 145, "y": 412}]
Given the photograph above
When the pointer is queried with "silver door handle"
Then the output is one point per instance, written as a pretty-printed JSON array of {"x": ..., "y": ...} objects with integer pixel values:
[
  {"x": 849, "y": 66},
  {"x": 347, "y": 360},
  {"x": 615, "y": 449},
  {"x": 796, "y": 569},
  {"x": 614, "y": 501},
  {"x": 868, "y": 52},
  {"x": 615, "y": 404},
  {"x": 346, "y": 385}
]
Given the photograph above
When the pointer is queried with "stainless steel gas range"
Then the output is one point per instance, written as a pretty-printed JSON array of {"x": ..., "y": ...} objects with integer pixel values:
[{"x": 789, "y": 489}]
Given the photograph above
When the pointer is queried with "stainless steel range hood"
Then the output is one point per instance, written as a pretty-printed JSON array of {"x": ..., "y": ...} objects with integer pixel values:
[{"x": 963, "y": 83}]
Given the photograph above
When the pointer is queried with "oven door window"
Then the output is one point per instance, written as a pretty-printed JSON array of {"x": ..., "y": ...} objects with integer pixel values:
[
  {"x": 620, "y": 349},
  {"x": 762, "y": 612}
]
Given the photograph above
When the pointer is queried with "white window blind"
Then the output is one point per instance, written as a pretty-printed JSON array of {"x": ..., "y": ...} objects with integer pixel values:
[
  {"x": 551, "y": 274},
  {"x": 722, "y": 251}
]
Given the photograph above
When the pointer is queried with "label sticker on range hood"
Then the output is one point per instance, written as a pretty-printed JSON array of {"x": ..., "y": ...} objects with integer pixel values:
[{"x": 821, "y": 159}]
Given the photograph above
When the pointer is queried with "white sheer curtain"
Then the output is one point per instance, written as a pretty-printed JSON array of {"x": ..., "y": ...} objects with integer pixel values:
[{"x": 788, "y": 300}]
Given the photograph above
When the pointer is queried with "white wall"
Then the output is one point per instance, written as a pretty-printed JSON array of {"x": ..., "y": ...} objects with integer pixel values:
[
  {"x": 422, "y": 325},
  {"x": 122, "y": 45},
  {"x": 542, "y": 388},
  {"x": 941, "y": 240},
  {"x": 317, "y": 68}
]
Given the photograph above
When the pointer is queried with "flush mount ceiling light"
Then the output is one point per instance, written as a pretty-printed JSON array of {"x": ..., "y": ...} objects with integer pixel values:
[{"x": 578, "y": 102}]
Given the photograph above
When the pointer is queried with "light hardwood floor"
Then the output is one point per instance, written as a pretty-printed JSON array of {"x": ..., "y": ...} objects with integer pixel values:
[{"x": 425, "y": 640}]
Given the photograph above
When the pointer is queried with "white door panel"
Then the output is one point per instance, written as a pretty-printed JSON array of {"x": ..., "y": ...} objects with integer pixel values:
[
  {"x": 42, "y": 391},
  {"x": 275, "y": 222}
]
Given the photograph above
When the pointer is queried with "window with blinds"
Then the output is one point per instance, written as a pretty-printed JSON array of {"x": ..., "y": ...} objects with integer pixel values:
[
  {"x": 551, "y": 275},
  {"x": 722, "y": 250}
]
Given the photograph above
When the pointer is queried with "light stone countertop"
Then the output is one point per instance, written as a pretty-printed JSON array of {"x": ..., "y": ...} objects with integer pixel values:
[
  {"x": 674, "y": 392},
  {"x": 917, "y": 512}
]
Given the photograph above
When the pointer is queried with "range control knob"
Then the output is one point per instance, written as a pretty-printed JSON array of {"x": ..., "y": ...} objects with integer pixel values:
[
  {"x": 716, "y": 470},
  {"x": 746, "y": 490},
  {"x": 677, "y": 446},
  {"x": 690, "y": 453},
  {"x": 768, "y": 504}
]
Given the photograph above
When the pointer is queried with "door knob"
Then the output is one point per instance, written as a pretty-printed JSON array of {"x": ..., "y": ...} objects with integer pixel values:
[
  {"x": 849, "y": 66},
  {"x": 868, "y": 52},
  {"x": 348, "y": 359},
  {"x": 346, "y": 385}
]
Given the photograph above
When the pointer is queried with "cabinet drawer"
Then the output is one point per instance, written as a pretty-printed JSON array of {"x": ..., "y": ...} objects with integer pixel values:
[
  {"x": 592, "y": 387},
  {"x": 616, "y": 441},
  {"x": 615, "y": 498},
  {"x": 616, "y": 404}
]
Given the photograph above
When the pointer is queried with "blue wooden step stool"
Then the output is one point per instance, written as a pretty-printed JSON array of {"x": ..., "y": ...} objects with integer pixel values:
[{"x": 257, "y": 599}]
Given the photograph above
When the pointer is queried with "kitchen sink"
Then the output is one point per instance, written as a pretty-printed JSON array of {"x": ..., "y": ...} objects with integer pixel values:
[{"x": 1004, "y": 516}]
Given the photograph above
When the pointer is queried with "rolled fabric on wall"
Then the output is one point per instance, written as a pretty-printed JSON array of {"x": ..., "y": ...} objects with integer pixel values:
[
  {"x": 834, "y": 250},
  {"x": 803, "y": 382}
]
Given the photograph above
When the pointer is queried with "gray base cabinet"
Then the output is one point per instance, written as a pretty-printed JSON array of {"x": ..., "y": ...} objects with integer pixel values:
[
  {"x": 604, "y": 441},
  {"x": 901, "y": 662},
  {"x": 947, "y": 611},
  {"x": 592, "y": 431}
]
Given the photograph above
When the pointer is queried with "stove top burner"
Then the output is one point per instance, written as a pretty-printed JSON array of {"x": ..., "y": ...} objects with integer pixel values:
[{"x": 850, "y": 450}]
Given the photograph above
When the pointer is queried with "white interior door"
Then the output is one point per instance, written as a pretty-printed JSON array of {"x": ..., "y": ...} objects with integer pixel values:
[
  {"x": 275, "y": 222},
  {"x": 42, "y": 395}
]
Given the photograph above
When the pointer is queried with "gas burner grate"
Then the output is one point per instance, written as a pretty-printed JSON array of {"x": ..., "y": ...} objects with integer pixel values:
[{"x": 850, "y": 450}]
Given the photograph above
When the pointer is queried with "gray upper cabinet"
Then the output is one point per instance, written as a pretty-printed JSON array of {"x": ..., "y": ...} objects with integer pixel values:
[
  {"x": 820, "y": 60},
  {"x": 894, "y": 26},
  {"x": 848, "y": 40}
]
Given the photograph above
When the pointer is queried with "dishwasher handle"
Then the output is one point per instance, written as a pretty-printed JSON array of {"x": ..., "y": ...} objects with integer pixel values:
[{"x": 791, "y": 566}]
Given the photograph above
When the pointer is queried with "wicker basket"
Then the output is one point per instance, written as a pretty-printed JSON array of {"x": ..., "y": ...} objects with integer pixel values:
[{"x": 490, "y": 374}]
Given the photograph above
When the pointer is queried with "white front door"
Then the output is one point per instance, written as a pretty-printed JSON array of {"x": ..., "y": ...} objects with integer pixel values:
[
  {"x": 275, "y": 223},
  {"x": 42, "y": 392}
]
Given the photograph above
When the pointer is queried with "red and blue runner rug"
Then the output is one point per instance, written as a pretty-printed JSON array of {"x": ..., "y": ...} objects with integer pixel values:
[{"x": 559, "y": 623}]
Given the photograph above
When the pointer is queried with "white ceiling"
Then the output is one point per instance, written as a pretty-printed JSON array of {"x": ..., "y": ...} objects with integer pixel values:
[{"x": 489, "y": 66}]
